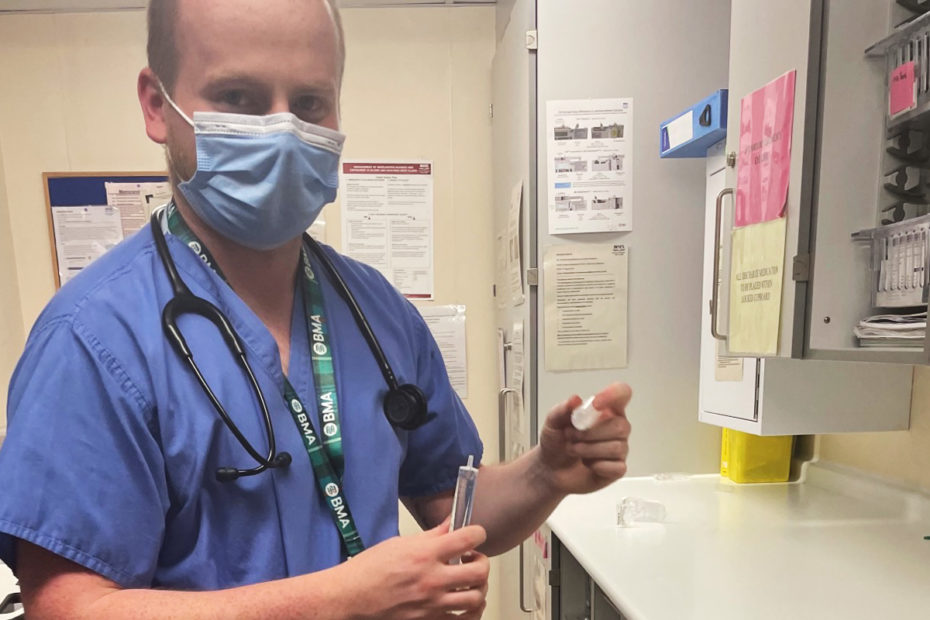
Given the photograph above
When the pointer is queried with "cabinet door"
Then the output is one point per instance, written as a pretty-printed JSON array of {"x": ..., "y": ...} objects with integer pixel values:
[
  {"x": 728, "y": 386},
  {"x": 768, "y": 39}
]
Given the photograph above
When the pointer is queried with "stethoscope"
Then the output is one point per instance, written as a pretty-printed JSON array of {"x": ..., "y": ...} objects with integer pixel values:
[{"x": 404, "y": 405}]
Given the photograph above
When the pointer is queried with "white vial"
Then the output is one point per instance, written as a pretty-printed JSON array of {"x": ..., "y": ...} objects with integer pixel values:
[{"x": 584, "y": 415}]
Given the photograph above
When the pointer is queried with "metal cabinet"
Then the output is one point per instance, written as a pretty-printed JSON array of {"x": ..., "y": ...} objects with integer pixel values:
[
  {"x": 839, "y": 163},
  {"x": 575, "y": 596}
]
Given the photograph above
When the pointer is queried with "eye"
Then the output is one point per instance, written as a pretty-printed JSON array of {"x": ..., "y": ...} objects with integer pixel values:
[
  {"x": 310, "y": 107},
  {"x": 233, "y": 98}
]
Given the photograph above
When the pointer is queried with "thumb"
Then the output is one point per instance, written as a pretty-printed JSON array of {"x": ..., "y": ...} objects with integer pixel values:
[
  {"x": 560, "y": 416},
  {"x": 439, "y": 530}
]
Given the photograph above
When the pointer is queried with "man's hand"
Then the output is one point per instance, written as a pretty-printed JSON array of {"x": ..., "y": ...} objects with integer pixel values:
[
  {"x": 412, "y": 578},
  {"x": 584, "y": 461}
]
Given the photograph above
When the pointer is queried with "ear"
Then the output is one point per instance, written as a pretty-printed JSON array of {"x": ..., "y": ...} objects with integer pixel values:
[{"x": 153, "y": 106}]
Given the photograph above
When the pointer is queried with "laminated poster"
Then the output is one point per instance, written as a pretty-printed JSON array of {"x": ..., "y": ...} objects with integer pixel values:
[
  {"x": 765, "y": 123},
  {"x": 756, "y": 275}
]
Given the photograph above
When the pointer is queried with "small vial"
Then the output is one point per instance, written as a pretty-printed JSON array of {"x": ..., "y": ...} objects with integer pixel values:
[
  {"x": 584, "y": 415},
  {"x": 633, "y": 510}
]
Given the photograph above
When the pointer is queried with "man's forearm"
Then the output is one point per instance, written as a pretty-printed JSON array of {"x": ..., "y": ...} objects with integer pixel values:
[
  {"x": 54, "y": 587},
  {"x": 284, "y": 598},
  {"x": 512, "y": 500}
]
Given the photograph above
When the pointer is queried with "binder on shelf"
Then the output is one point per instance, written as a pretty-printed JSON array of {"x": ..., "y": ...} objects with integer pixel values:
[{"x": 693, "y": 131}]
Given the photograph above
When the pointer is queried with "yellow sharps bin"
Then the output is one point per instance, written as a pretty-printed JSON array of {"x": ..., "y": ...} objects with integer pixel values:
[{"x": 750, "y": 458}]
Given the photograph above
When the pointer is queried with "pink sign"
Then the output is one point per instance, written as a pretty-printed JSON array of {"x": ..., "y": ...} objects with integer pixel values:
[
  {"x": 902, "y": 94},
  {"x": 765, "y": 123}
]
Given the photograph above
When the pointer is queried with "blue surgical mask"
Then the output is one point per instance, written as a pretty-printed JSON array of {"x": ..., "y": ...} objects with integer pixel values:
[{"x": 261, "y": 180}]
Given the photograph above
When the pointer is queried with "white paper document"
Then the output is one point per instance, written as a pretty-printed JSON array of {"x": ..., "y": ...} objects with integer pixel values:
[
  {"x": 514, "y": 246},
  {"x": 585, "y": 306},
  {"x": 447, "y": 324},
  {"x": 82, "y": 234},
  {"x": 387, "y": 221},
  {"x": 590, "y": 160},
  {"x": 516, "y": 357},
  {"x": 135, "y": 202}
]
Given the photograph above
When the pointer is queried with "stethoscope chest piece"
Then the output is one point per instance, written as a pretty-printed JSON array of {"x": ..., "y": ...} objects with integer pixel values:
[{"x": 406, "y": 407}]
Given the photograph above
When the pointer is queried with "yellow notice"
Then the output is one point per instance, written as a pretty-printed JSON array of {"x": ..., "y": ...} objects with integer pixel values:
[{"x": 756, "y": 269}]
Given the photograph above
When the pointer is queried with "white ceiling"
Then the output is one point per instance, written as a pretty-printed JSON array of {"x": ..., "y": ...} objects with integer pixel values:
[{"x": 62, "y": 6}]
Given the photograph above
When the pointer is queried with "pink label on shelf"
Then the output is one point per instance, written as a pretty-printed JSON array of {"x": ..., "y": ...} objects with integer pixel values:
[
  {"x": 765, "y": 123},
  {"x": 902, "y": 89}
]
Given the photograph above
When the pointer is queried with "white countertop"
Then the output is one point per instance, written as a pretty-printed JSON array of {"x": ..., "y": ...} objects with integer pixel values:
[{"x": 833, "y": 546}]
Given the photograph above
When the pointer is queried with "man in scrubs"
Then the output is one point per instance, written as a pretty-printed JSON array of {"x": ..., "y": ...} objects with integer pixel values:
[{"x": 111, "y": 505}]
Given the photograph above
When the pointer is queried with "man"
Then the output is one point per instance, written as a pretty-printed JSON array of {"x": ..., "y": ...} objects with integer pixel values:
[{"x": 124, "y": 494}]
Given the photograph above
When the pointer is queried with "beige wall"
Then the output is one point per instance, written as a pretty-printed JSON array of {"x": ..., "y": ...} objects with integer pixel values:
[
  {"x": 417, "y": 86},
  {"x": 11, "y": 319},
  {"x": 901, "y": 456}
]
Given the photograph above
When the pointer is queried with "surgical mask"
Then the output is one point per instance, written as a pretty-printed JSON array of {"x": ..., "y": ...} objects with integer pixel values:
[{"x": 260, "y": 180}]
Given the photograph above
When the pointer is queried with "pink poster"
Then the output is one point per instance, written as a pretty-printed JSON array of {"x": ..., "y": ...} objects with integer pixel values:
[{"x": 765, "y": 123}]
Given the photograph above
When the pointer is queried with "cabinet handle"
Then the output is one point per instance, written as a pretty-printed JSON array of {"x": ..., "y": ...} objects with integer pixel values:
[
  {"x": 714, "y": 300},
  {"x": 523, "y": 606},
  {"x": 501, "y": 420}
]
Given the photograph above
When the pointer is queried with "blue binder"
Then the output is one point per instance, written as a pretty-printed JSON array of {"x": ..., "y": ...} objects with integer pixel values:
[{"x": 690, "y": 133}]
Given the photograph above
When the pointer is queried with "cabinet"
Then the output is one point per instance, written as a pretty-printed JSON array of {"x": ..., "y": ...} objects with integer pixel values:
[
  {"x": 778, "y": 396},
  {"x": 838, "y": 161}
]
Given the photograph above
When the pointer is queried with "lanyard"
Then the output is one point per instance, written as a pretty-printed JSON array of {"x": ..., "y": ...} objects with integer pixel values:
[{"x": 326, "y": 457}]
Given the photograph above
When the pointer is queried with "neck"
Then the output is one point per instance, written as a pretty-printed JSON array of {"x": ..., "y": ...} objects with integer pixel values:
[{"x": 263, "y": 279}]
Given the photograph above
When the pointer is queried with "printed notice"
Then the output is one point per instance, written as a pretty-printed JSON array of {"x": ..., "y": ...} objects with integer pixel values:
[
  {"x": 902, "y": 89},
  {"x": 83, "y": 234},
  {"x": 757, "y": 266},
  {"x": 387, "y": 221},
  {"x": 585, "y": 306},
  {"x": 727, "y": 368},
  {"x": 135, "y": 202},
  {"x": 765, "y": 123},
  {"x": 590, "y": 162},
  {"x": 447, "y": 324}
]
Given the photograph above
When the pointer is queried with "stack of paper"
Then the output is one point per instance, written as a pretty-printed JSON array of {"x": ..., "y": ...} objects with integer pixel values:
[{"x": 892, "y": 330}]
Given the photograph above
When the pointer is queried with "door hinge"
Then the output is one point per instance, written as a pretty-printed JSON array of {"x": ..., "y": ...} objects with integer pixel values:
[
  {"x": 532, "y": 276},
  {"x": 555, "y": 578},
  {"x": 801, "y": 268},
  {"x": 532, "y": 40}
]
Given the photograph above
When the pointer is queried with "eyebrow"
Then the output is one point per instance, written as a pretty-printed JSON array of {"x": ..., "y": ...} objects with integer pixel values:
[{"x": 245, "y": 79}]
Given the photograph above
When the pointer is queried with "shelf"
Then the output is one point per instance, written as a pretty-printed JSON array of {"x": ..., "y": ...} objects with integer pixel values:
[{"x": 900, "y": 35}]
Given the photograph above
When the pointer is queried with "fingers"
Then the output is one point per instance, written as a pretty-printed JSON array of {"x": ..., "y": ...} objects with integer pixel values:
[
  {"x": 439, "y": 530},
  {"x": 455, "y": 544},
  {"x": 605, "y": 429},
  {"x": 614, "y": 397},
  {"x": 471, "y": 574},
  {"x": 471, "y": 601},
  {"x": 560, "y": 416},
  {"x": 612, "y": 450},
  {"x": 608, "y": 470}
]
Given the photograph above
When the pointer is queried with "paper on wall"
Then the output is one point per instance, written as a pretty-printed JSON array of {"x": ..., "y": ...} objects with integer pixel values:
[
  {"x": 590, "y": 161},
  {"x": 83, "y": 234},
  {"x": 135, "y": 202},
  {"x": 447, "y": 324},
  {"x": 516, "y": 357},
  {"x": 585, "y": 296},
  {"x": 387, "y": 221},
  {"x": 757, "y": 266},
  {"x": 514, "y": 246}
]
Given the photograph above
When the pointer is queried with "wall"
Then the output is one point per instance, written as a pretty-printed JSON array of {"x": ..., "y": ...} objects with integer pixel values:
[
  {"x": 902, "y": 457},
  {"x": 11, "y": 320},
  {"x": 417, "y": 85}
]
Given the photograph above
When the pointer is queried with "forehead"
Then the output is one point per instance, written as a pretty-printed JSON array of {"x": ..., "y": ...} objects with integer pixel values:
[{"x": 295, "y": 38}]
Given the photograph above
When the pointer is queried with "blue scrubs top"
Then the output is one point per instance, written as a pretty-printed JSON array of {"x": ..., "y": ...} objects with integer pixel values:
[{"x": 112, "y": 446}]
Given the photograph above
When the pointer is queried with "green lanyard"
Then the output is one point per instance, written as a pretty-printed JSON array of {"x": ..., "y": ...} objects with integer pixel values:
[{"x": 326, "y": 457}]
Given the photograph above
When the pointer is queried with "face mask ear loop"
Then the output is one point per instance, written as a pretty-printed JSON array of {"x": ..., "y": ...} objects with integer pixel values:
[{"x": 164, "y": 93}]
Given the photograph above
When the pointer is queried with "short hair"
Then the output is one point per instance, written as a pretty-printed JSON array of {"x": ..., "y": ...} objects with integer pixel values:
[{"x": 162, "y": 46}]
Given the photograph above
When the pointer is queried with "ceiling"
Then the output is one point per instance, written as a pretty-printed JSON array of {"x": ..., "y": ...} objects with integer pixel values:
[{"x": 66, "y": 6}]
